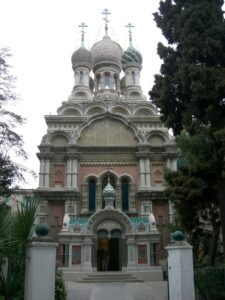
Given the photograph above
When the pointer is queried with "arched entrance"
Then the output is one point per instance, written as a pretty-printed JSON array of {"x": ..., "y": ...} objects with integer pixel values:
[{"x": 109, "y": 250}]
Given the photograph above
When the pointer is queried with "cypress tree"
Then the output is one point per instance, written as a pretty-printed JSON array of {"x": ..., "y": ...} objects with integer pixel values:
[{"x": 190, "y": 89}]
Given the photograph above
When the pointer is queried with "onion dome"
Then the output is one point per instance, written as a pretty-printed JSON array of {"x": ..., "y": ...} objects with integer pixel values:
[
  {"x": 81, "y": 57},
  {"x": 109, "y": 191},
  {"x": 106, "y": 51},
  {"x": 131, "y": 57}
]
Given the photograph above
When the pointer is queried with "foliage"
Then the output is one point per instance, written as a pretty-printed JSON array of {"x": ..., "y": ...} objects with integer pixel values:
[
  {"x": 192, "y": 190},
  {"x": 11, "y": 143},
  {"x": 13, "y": 240},
  {"x": 190, "y": 92},
  {"x": 60, "y": 288},
  {"x": 209, "y": 282}
]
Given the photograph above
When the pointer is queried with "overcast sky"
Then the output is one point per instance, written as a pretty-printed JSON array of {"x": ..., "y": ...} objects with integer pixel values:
[{"x": 43, "y": 34}]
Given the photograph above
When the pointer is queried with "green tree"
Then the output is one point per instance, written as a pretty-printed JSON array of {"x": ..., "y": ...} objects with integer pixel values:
[
  {"x": 190, "y": 89},
  {"x": 192, "y": 191},
  {"x": 11, "y": 143},
  {"x": 15, "y": 233}
]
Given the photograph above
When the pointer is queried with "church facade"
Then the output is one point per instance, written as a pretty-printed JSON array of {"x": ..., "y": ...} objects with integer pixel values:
[{"x": 102, "y": 164}]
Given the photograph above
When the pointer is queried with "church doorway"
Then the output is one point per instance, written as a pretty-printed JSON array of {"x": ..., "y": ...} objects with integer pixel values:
[{"x": 109, "y": 251}]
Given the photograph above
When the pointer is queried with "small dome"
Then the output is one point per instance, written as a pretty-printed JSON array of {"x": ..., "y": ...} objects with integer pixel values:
[
  {"x": 106, "y": 51},
  {"x": 81, "y": 57},
  {"x": 109, "y": 191},
  {"x": 131, "y": 57}
]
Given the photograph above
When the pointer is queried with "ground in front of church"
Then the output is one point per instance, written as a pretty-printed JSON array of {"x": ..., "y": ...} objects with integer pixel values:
[{"x": 157, "y": 290}]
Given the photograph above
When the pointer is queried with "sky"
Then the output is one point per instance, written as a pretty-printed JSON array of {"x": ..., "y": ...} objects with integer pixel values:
[{"x": 42, "y": 36}]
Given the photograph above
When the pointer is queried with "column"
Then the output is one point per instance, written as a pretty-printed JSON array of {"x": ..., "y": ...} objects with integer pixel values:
[
  {"x": 147, "y": 169},
  {"x": 142, "y": 173},
  {"x": 180, "y": 271},
  {"x": 46, "y": 173},
  {"x": 68, "y": 173},
  {"x": 74, "y": 173},
  {"x": 131, "y": 253},
  {"x": 87, "y": 247},
  {"x": 41, "y": 174}
]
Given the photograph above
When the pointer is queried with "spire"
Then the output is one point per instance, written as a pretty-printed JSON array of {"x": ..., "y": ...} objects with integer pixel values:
[
  {"x": 106, "y": 12},
  {"x": 82, "y": 25},
  {"x": 129, "y": 25}
]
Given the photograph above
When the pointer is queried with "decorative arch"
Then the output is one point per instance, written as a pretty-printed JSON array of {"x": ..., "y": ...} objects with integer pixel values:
[
  {"x": 157, "y": 138},
  {"x": 106, "y": 215},
  {"x": 108, "y": 130},
  {"x": 95, "y": 110},
  {"x": 71, "y": 112},
  {"x": 149, "y": 107},
  {"x": 144, "y": 112},
  {"x": 120, "y": 110},
  {"x": 59, "y": 138},
  {"x": 70, "y": 109}
]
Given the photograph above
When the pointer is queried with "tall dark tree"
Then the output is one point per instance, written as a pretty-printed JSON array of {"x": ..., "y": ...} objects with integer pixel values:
[
  {"x": 190, "y": 89},
  {"x": 192, "y": 190},
  {"x": 11, "y": 143}
]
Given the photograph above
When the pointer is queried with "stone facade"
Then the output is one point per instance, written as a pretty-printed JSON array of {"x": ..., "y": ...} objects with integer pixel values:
[{"x": 106, "y": 130}]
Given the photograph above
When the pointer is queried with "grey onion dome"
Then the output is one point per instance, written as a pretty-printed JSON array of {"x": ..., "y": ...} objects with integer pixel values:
[
  {"x": 131, "y": 56},
  {"x": 106, "y": 51},
  {"x": 81, "y": 57},
  {"x": 109, "y": 191}
]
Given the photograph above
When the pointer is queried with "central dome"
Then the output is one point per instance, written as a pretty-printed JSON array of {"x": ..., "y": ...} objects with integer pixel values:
[{"x": 107, "y": 52}]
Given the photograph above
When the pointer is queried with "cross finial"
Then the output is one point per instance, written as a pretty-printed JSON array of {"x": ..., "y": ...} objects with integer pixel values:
[
  {"x": 129, "y": 25},
  {"x": 106, "y": 12},
  {"x": 82, "y": 26}
]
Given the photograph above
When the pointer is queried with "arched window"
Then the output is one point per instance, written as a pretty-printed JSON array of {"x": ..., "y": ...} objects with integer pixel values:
[
  {"x": 91, "y": 194},
  {"x": 107, "y": 81},
  {"x": 81, "y": 77},
  {"x": 125, "y": 194},
  {"x": 98, "y": 78},
  {"x": 133, "y": 77},
  {"x": 115, "y": 82},
  {"x": 104, "y": 183}
]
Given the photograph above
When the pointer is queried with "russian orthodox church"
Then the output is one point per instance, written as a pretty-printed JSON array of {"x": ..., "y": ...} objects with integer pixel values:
[{"x": 102, "y": 164}]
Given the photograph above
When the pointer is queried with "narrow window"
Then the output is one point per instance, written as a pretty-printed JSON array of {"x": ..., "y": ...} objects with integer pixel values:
[
  {"x": 107, "y": 81},
  {"x": 81, "y": 77},
  {"x": 91, "y": 195},
  {"x": 133, "y": 77},
  {"x": 98, "y": 77},
  {"x": 125, "y": 194}
]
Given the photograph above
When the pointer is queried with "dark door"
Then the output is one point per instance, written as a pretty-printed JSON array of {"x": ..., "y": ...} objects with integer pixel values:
[{"x": 114, "y": 261}]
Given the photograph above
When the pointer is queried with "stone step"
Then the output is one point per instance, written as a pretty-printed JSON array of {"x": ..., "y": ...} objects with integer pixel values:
[{"x": 109, "y": 277}]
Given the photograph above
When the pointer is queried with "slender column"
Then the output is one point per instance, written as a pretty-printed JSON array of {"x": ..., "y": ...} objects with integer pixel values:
[
  {"x": 68, "y": 173},
  {"x": 41, "y": 174},
  {"x": 74, "y": 174},
  {"x": 142, "y": 173},
  {"x": 47, "y": 173},
  {"x": 147, "y": 169},
  {"x": 87, "y": 247},
  {"x": 131, "y": 264},
  {"x": 174, "y": 164}
]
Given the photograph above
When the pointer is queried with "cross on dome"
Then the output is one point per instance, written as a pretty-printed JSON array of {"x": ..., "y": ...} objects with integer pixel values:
[
  {"x": 82, "y": 26},
  {"x": 129, "y": 25},
  {"x": 106, "y": 12}
]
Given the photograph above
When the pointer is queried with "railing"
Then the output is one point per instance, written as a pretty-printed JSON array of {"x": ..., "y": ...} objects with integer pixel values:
[{"x": 210, "y": 283}]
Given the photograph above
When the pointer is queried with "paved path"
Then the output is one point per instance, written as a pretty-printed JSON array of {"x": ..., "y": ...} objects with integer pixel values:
[{"x": 117, "y": 291}]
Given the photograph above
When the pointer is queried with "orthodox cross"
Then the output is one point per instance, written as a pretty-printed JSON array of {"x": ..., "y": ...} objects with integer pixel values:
[
  {"x": 82, "y": 26},
  {"x": 106, "y": 12},
  {"x": 129, "y": 25}
]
